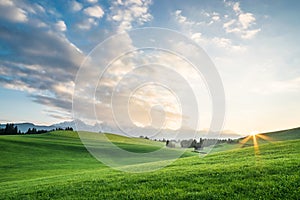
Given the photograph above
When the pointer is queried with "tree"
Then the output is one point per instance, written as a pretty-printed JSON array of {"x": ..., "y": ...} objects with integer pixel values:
[
  {"x": 199, "y": 145},
  {"x": 170, "y": 144},
  {"x": 28, "y": 131},
  {"x": 69, "y": 129},
  {"x": 34, "y": 131},
  {"x": 15, "y": 130},
  {"x": 167, "y": 143},
  {"x": 10, "y": 129},
  {"x": 186, "y": 143},
  {"x": 193, "y": 144}
]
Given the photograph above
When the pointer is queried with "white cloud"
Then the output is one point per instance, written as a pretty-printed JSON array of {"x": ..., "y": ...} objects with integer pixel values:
[
  {"x": 92, "y": 1},
  {"x": 220, "y": 42},
  {"x": 44, "y": 57},
  {"x": 236, "y": 8},
  {"x": 39, "y": 8},
  {"x": 246, "y": 20},
  {"x": 205, "y": 18},
  {"x": 34, "y": 8},
  {"x": 213, "y": 41},
  {"x": 124, "y": 73},
  {"x": 226, "y": 25},
  {"x": 227, "y": 44},
  {"x": 197, "y": 37},
  {"x": 11, "y": 12},
  {"x": 243, "y": 23},
  {"x": 6, "y": 3},
  {"x": 183, "y": 20},
  {"x": 41, "y": 24},
  {"x": 87, "y": 24},
  {"x": 94, "y": 11},
  {"x": 250, "y": 33},
  {"x": 129, "y": 13},
  {"x": 61, "y": 26},
  {"x": 76, "y": 6},
  {"x": 216, "y": 18}
]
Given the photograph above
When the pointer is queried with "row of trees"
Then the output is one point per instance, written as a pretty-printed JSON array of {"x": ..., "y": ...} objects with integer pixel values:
[
  {"x": 34, "y": 131},
  {"x": 11, "y": 129},
  {"x": 192, "y": 143},
  {"x": 66, "y": 129}
]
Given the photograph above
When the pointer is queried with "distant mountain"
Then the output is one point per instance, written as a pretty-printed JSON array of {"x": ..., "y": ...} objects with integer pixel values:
[
  {"x": 23, "y": 127},
  {"x": 76, "y": 125},
  {"x": 65, "y": 124},
  {"x": 79, "y": 125}
]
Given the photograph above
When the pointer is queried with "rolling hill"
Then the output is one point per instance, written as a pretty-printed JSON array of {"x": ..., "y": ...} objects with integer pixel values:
[
  {"x": 289, "y": 134},
  {"x": 57, "y": 166},
  {"x": 261, "y": 138}
]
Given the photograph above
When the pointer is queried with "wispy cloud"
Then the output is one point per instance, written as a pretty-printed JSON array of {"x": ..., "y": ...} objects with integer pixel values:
[
  {"x": 183, "y": 20},
  {"x": 205, "y": 19},
  {"x": 216, "y": 39}
]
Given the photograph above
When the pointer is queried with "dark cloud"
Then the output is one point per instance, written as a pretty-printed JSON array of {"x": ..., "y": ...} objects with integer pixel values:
[
  {"x": 35, "y": 46},
  {"x": 53, "y": 101},
  {"x": 39, "y": 60}
]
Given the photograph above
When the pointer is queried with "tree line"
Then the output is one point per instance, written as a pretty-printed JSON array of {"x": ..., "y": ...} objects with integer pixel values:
[
  {"x": 193, "y": 143},
  {"x": 11, "y": 129}
]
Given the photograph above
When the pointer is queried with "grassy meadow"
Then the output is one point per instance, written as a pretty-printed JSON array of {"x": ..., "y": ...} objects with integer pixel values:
[{"x": 56, "y": 165}]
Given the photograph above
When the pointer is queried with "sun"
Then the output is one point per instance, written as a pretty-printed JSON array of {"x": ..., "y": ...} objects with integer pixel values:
[{"x": 253, "y": 133}]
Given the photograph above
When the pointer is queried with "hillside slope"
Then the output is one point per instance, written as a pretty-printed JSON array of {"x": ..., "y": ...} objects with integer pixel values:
[
  {"x": 50, "y": 154},
  {"x": 59, "y": 167},
  {"x": 290, "y": 134},
  {"x": 261, "y": 138}
]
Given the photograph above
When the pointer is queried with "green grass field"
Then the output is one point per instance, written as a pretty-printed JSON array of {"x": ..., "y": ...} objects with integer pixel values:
[{"x": 56, "y": 165}]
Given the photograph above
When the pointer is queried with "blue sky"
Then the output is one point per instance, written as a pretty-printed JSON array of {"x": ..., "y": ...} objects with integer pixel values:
[{"x": 253, "y": 44}]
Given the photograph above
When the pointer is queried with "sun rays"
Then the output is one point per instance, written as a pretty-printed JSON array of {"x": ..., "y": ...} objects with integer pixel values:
[{"x": 252, "y": 140}]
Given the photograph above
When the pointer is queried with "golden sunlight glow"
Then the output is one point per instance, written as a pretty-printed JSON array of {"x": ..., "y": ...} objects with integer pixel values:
[
  {"x": 264, "y": 137},
  {"x": 245, "y": 140},
  {"x": 253, "y": 133},
  {"x": 255, "y": 144},
  {"x": 254, "y": 137}
]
